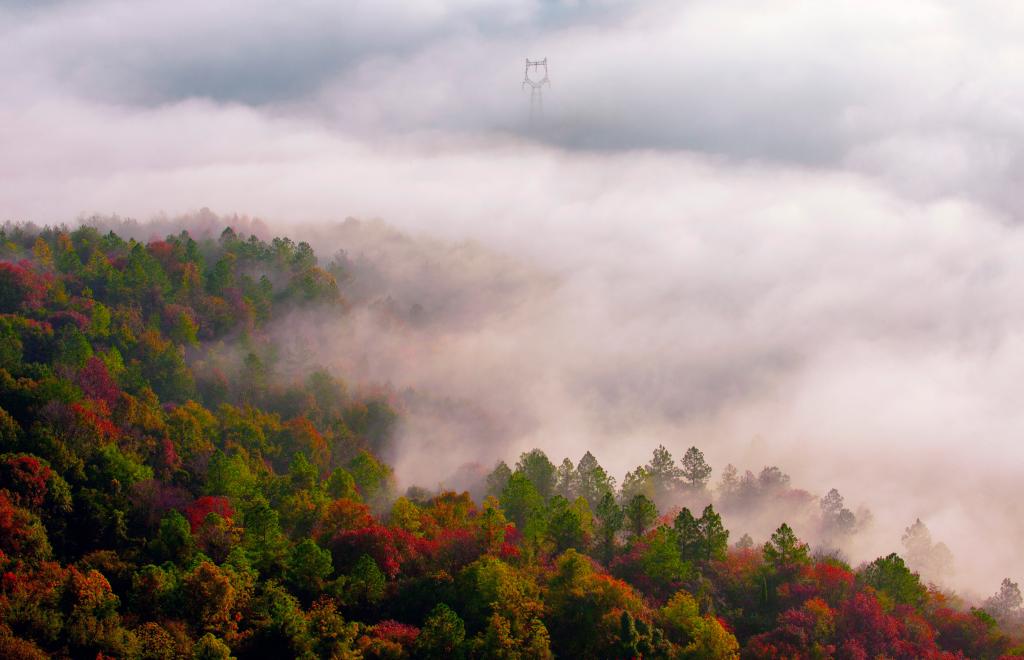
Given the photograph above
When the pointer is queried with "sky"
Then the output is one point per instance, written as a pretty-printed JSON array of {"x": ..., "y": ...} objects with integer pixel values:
[{"x": 787, "y": 232}]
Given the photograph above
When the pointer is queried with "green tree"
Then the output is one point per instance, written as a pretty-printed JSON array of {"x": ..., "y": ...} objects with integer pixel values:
[
  {"x": 539, "y": 470},
  {"x": 520, "y": 499},
  {"x": 308, "y": 567},
  {"x": 610, "y": 520},
  {"x": 688, "y": 533},
  {"x": 696, "y": 472},
  {"x": 565, "y": 481},
  {"x": 73, "y": 348},
  {"x": 637, "y": 482},
  {"x": 210, "y": 647},
  {"x": 785, "y": 550},
  {"x": 302, "y": 474},
  {"x": 569, "y": 524},
  {"x": 193, "y": 428},
  {"x": 592, "y": 482},
  {"x": 498, "y": 479},
  {"x": 405, "y": 515},
  {"x": 442, "y": 635},
  {"x": 890, "y": 576},
  {"x": 278, "y": 626},
  {"x": 489, "y": 586},
  {"x": 662, "y": 561},
  {"x": 341, "y": 485},
  {"x": 628, "y": 645},
  {"x": 714, "y": 537},
  {"x": 665, "y": 476},
  {"x": 263, "y": 540},
  {"x": 372, "y": 477},
  {"x": 230, "y": 476},
  {"x": 174, "y": 540},
  {"x": 699, "y": 636},
  {"x": 836, "y": 519},
  {"x": 184, "y": 329},
  {"x": 640, "y": 514},
  {"x": 366, "y": 583}
]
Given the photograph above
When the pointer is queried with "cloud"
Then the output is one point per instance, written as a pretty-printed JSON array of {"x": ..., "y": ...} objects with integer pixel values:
[
  {"x": 926, "y": 95},
  {"x": 784, "y": 234},
  {"x": 153, "y": 52}
]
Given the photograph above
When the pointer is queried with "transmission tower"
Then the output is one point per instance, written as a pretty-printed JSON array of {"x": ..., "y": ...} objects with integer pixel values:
[{"x": 536, "y": 84}]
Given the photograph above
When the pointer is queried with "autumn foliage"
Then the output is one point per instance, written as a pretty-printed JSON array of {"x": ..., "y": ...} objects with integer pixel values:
[{"x": 173, "y": 483}]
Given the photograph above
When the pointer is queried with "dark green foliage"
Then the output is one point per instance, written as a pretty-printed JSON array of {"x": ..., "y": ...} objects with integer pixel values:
[
  {"x": 264, "y": 541},
  {"x": 365, "y": 584},
  {"x": 610, "y": 520},
  {"x": 640, "y": 513},
  {"x": 540, "y": 471},
  {"x": 891, "y": 576},
  {"x": 173, "y": 541},
  {"x": 442, "y": 635},
  {"x": 662, "y": 561},
  {"x": 520, "y": 498},
  {"x": 704, "y": 538},
  {"x": 308, "y": 567},
  {"x": 591, "y": 480},
  {"x": 569, "y": 523},
  {"x": 278, "y": 625},
  {"x": 784, "y": 550}
]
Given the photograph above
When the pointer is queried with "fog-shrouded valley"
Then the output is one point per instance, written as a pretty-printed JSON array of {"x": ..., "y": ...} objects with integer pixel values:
[{"x": 323, "y": 335}]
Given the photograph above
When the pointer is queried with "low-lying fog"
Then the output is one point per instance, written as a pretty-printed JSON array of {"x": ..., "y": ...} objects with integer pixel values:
[{"x": 787, "y": 237}]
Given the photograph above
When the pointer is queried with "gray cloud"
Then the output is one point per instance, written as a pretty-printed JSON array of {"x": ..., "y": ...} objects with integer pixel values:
[
  {"x": 925, "y": 95},
  {"x": 153, "y": 52}
]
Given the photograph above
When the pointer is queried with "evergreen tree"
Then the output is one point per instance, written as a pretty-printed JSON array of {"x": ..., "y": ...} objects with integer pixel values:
[
  {"x": 640, "y": 514},
  {"x": 566, "y": 483},
  {"x": 665, "y": 475},
  {"x": 785, "y": 550},
  {"x": 592, "y": 481},
  {"x": 695, "y": 472},
  {"x": 714, "y": 537},
  {"x": 442, "y": 635},
  {"x": 539, "y": 470},
  {"x": 498, "y": 479},
  {"x": 520, "y": 499},
  {"x": 610, "y": 518}
]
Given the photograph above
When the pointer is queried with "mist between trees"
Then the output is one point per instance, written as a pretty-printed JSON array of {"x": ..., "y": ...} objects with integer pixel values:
[{"x": 198, "y": 434}]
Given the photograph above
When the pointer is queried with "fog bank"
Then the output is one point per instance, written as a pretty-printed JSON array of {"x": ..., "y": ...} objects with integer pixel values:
[{"x": 788, "y": 236}]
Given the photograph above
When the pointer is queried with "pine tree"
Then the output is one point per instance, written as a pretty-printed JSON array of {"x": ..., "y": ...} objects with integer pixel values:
[{"x": 696, "y": 472}]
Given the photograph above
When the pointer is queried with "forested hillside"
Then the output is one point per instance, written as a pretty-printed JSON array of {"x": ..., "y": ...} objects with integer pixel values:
[{"x": 171, "y": 486}]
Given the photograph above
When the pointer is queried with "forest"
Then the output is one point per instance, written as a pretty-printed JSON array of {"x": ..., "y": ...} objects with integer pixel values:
[{"x": 171, "y": 486}]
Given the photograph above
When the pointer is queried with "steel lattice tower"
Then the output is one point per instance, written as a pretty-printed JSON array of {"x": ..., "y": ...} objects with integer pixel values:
[{"x": 536, "y": 85}]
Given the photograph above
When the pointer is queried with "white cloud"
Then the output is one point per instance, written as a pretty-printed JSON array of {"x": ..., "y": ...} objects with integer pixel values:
[{"x": 785, "y": 221}]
